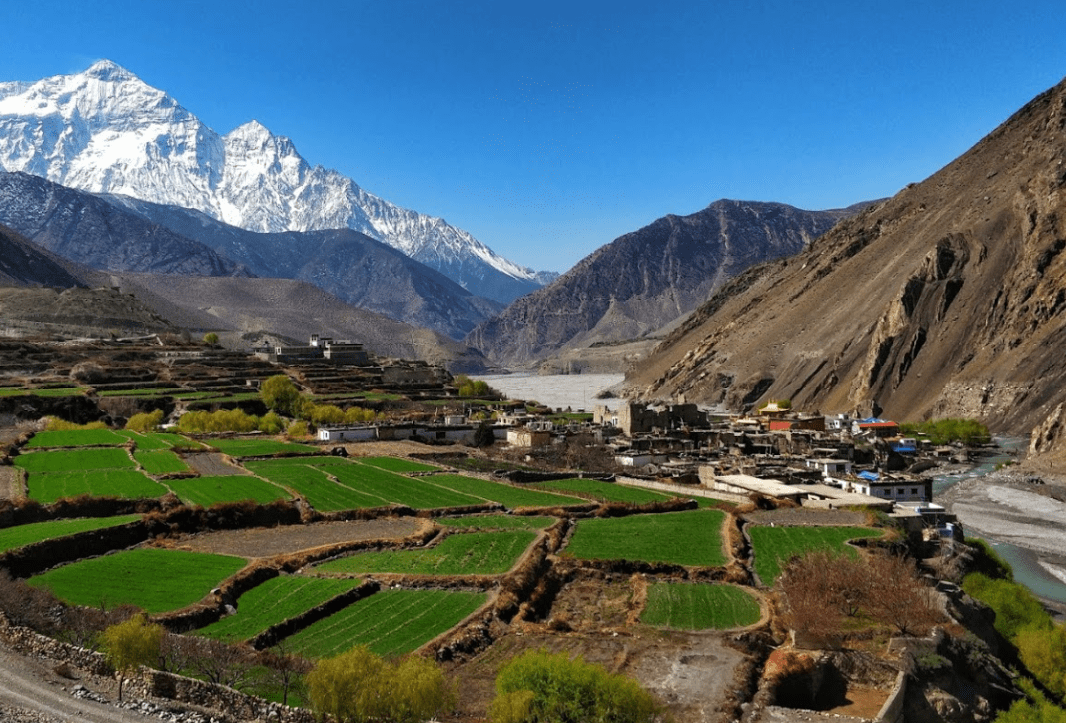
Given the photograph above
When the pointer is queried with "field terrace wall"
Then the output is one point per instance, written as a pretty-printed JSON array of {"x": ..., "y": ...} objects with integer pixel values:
[{"x": 284, "y": 629}]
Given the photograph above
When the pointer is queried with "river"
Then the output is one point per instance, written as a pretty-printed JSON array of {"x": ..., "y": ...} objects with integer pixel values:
[{"x": 558, "y": 391}]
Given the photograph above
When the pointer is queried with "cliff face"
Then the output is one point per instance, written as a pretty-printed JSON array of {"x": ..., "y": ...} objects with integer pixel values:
[
  {"x": 945, "y": 300},
  {"x": 644, "y": 280}
]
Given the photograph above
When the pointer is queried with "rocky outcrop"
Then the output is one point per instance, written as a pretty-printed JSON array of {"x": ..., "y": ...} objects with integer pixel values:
[
  {"x": 645, "y": 280},
  {"x": 947, "y": 299}
]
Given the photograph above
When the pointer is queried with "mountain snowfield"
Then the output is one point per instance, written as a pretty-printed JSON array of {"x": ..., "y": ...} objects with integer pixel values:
[{"x": 106, "y": 131}]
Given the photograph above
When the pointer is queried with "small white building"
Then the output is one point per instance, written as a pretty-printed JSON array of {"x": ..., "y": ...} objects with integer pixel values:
[{"x": 347, "y": 434}]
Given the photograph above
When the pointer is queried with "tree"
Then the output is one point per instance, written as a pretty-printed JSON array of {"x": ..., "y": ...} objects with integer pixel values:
[
  {"x": 898, "y": 596},
  {"x": 540, "y": 687},
  {"x": 131, "y": 644},
  {"x": 145, "y": 422},
  {"x": 280, "y": 394},
  {"x": 285, "y": 670},
  {"x": 359, "y": 686},
  {"x": 211, "y": 338}
]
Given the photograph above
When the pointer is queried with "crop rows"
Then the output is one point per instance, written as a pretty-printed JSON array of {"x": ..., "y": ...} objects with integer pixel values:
[
  {"x": 774, "y": 546},
  {"x": 315, "y": 486},
  {"x": 397, "y": 464},
  {"x": 75, "y": 459},
  {"x": 415, "y": 493},
  {"x": 683, "y": 538},
  {"x": 275, "y": 601},
  {"x": 390, "y": 623},
  {"x": 154, "y": 579},
  {"x": 206, "y": 491},
  {"x": 259, "y": 447},
  {"x": 22, "y": 535},
  {"x": 687, "y": 606},
  {"x": 76, "y": 438},
  {"x": 603, "y": 491},
  {"x": 485, "y": 553},
  {"x": 506, "y": 495},
  {"x": 125, "y": 483},
  {"x": 160, "y": 461}
]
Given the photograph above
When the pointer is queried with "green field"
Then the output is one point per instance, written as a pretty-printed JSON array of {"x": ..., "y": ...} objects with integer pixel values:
[
  {"x": 259, "y": 447},
  {"x": 415, "y": 493},
  {"x": 153, "y": 579},
  {"x": 497, "y": 522},
  {"x": 390, "y": 623},
  {"x": 144, "y": 442},
  {"x": 206, "y": 491},
  {"x": 475, "y": 553},
  {"x": 693, "y": 537},
  {"x": 76, "y": 438},
  {"x": 275, "y": 601},
  {"x": 125, "y": 483},
  {"x": 315, "y": 486},
  {"x": 160, "y": 461},
  {"x": 774, "y": 546},
  {"x": 603, "y": 491},
  {"x": 687, "y": 606},
  {"x": 507, "y": 495},
  {"x": 157, "y": 392},
  {"x": 44, "y": 392},
  {"x": 176, "y": 440},
  {"x": 22, "y": 535},
  {"x": 397, "y": 464},
  {"x": 75, "y": 459}
]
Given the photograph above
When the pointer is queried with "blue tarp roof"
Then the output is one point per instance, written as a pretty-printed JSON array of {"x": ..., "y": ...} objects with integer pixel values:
[{"x": 871, "y": 476}]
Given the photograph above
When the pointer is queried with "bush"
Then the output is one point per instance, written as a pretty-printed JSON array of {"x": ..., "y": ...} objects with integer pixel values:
[
  {"x": 327, "y": 414},
  {"x": 1016, "y": 608},
  {"x": 271, "y": 423},
  {"x": 988, "y": 562},
  {"x": 539, "y": 687},
  {"x": 360, "y": 686},
  {"x": 222, "y": 420},
  {"x": 358, "y": 415},
  {"x": 55, "y": 424},
  {"x": 298, "y": 430},
  {"x": 945, "y": 431},
  {"x": 211, "y": 338},
  {"x": 145, "y": 421}
]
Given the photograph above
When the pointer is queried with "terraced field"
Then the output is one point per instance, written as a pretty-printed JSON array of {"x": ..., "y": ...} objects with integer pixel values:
[
  {"x": 497, "y": 522},
  {"x": 124, "y": 483},
  {"x": 274, "y": 602},
  {"x": 153, "y": 579},
  {"x": 416, "y": 493},
  {"x": 688, "y": 606},
  {"x": 259, "y": 447},
  {"x": 160, "y": 461},
  {"x": 390, "y": 623},
  {"x": 206, "y": 491},
  {"x": 315, "y": 486},
  {"x": 76, "y": 438},
  {"x": 507, "y": 495},
  {"x": 474, "y": 553},
  {"x": 22, "y": 535},
  {"x": 603, "y": 491},
  {"x": 75, "y": 459},
  {"x": 397, "y": 464},
  {"x": 693, "y": 537},
  {"x": 774, "y": 546}
]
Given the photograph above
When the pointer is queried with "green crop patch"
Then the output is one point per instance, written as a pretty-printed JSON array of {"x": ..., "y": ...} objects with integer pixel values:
[
  {"x": 475, "y": 553},
  {"x": 160, "y": 461},
  {"x": 124, "y": 483},
  {"x": 75, "y": 459},
  {"x": 415, "y": 493},
  {"x": 144, "y": 442},
  {"x": 206, "y": 491},
  {"x": 43, "y": 392},
  {"x": 315, "y": 486},
  {"x": 275, "y": 601},
  {"x": 497, "y": 522},
  {"x": 260, "y": 447},
  {"x": 22, "y": 535},
  {"x": 506, "y": 495},
  {"x": 603, "y": 491},
  {"x": 390, "y": 623},
  {"x": 397, "y": 464},
  {"x": 153, "y": 579},
  {"x": 76, "y": 438},
  {"x": 177, "y": 441},
  {"x": 693, "y": 537},
  {"x": 688, "y": 606},
  {"x": 157, "y": 392},
  {"x": 775, "y": 546}
]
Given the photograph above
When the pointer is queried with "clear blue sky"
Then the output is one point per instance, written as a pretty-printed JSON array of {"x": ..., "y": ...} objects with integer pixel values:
[{"x": 548, "y": 129}]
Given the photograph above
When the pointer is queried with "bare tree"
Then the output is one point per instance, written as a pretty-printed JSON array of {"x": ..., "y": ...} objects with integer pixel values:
[{"x": 899, "y": 597}]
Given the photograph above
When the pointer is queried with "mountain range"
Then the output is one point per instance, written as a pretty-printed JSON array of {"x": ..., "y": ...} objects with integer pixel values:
[
  {"x": 948, "y": 299},
  {"x": 106, "y": 131},
  {"x": 648, "y": 279}
]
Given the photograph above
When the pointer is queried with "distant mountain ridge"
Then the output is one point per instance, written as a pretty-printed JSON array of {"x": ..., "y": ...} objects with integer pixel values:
[
  {"x": 947, "y": 300},
  {"x": 106, "y": 131},
  {"x": 644, "y": 280}
]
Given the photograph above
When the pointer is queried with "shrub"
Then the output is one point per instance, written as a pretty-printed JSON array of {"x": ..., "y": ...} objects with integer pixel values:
[
  {"x": 1016, "y": 608},
  {"x": 221, "y": 420},
  {"x": 271, "y": 423},
  {"x": 356, "y": 415},
  {"x": 539, "y": 687},
  {"x": 298, "y": 430},
  {"x": 211, "y": 338},
  {"x": 145, "y": 421},
  {"x": 55, "y": 424},
  {"x": 945, "y": 431},
  {"x": 327, "y": 414},
  {"x": 131, "y": 644}
]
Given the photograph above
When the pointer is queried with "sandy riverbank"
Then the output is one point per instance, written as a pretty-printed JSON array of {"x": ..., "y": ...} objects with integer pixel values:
[{"x": 1021, "y": 507}]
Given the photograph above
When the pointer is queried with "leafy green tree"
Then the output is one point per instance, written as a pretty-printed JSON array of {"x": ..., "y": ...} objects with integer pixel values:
[
  {"x": 280, "y": 394},
  {"x": 1016, "y": 608},
  {"x": 211, "y": 338},
  {"x": 359, "y": 686},
  {"x": 221, "y": 420},
  {"x": 1044, "y": 654},
  {"x": 539, "y": 687},
  {"x": 298, "y": 430},
  {"x": 131, "y": 644},
  {"x": 271, "y": 423},
  {"x": 145, "y": 422},
  {"x": 356, "y": 415},
  {"x": 327, "y": 414}
]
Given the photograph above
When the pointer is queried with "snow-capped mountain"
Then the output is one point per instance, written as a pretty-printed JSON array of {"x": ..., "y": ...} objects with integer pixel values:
[{"x": 106, "y": 131}]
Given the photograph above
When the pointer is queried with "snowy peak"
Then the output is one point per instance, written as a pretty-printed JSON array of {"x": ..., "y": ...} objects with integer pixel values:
[{"x": 106, "y": 131}]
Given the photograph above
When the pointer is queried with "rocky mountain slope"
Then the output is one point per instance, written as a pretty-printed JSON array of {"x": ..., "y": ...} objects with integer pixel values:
[
  {"x": 23, "y": 263},
  {"x": 644, "y": 280},
  {"x": 361, "y": 271},
  {"x": 106, "y": 131},
  {"x": 946, "y": 300}
]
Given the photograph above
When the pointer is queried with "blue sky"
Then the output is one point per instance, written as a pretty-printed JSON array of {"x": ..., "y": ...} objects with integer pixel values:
[{"x": 548, "y": 129}]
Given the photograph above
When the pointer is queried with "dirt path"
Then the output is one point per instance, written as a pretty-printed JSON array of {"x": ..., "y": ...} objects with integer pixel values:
[{"x": 11, "y": 484}]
